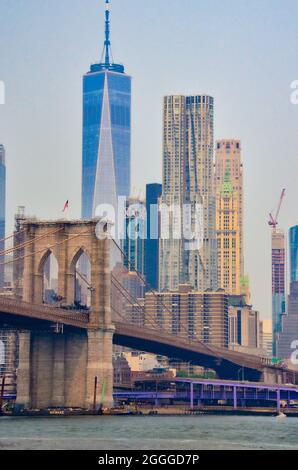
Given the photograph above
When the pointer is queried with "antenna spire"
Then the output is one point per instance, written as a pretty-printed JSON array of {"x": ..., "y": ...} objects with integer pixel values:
[
  {"x": 107, "y": 34},
  {"x": 107, "y": 60}
]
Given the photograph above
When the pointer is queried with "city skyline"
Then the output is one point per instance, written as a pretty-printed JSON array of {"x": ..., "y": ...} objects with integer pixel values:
[{"x": 41, "y": 201}]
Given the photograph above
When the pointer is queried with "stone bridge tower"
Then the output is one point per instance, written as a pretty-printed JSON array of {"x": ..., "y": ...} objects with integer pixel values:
[{"x": 60, "y": 367}]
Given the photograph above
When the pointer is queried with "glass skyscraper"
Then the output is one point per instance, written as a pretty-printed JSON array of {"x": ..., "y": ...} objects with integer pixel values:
[
  {"x": 289, "y": 322},
  {"x": 2, "y": 210},
  {"x": 106, "y": 131},
  {"x": 294, "y": 253},
  {"x": 153, "y": 193},
  {"x": 134, "y": 242}
]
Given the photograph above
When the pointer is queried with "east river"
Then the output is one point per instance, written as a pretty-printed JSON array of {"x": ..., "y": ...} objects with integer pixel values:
[{"x": 146, "y": 433}]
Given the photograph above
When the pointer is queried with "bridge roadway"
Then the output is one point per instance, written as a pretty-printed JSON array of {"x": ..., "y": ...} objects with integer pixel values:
[{"x": 228, "y": 364}]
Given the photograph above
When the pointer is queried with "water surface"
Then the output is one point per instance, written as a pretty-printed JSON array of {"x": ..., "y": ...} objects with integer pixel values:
[{"x": 145, "y": 433}]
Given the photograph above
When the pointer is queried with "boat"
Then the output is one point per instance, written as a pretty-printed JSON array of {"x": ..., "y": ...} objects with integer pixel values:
[{"x": 281, "y": 415}]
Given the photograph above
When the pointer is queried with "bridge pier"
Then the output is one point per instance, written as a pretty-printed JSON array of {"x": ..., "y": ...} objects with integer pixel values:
[
  {"x": 100, "y": 365},
  {"x": 58, "y": 394},
  {"x": 274, "y": 377},
  {"x": 23, "y": 371},
  {"x": 60, "y": 370}
]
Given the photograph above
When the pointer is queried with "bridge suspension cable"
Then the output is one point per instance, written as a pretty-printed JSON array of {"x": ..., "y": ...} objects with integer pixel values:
[
  {"x": 11, "y": 236},
  {"x": 43, "y": 250},
  {"x": 133, "y": 299},
  {"x": 29, "y": 242},
  {"x": 133, "y": 302},
  {"x": 151, "y": 290},
  {"x": 122, "y": 290}
]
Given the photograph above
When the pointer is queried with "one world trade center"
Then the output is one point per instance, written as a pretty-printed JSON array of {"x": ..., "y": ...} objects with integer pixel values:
[{"x": 106, "y": 131}]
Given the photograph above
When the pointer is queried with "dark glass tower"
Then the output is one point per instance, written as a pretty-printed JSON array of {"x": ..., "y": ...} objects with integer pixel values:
[
  {"x": 2, "y": 210},
  {"x": 294, "y": 253},
  {"x": 153, "y": 193},
  {"x": 106, "y": 131}
]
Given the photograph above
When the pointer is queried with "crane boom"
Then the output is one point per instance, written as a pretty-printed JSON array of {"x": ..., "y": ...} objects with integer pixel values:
[
  {"x": 273, "y": 222},
  {"x": 280, "y": 203}
]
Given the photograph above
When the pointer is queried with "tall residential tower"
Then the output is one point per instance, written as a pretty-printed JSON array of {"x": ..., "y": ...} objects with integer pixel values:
[
  {"x": 278, "y": 284},
  {"x": 106, "y": 131},
  {"x": 188, "y": 141}
]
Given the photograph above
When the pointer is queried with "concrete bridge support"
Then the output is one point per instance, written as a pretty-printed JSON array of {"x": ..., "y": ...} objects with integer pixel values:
[
  {"x": 61, "y": 370},
  {"x": 274, "y": 377}
]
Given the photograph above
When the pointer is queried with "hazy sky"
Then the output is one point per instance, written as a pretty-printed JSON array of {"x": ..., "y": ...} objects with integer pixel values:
[{"x": 242, "y": 52}]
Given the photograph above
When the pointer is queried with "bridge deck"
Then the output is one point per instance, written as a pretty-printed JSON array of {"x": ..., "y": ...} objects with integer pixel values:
[
  {"x": 43, "y": 313},
  {"x": 140, "y": 338}
]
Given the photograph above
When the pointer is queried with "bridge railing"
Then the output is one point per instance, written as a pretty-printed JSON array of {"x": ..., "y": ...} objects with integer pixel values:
[{"x": 8, "y": 305}]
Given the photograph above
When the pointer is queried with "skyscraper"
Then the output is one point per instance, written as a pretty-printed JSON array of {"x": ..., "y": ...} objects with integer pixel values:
[
  {"x": 278, "y": 284},
  {"x": 287, "y": 338},
  {"x": 188, "y": 142},
  {"x": 134, "y": 242},
  {"x": 294, "y": 253},
  {"x": 2, "y": 211},
  {"x": 153, "y": 193},
  {"x": 289, "y": 322},
  {"x": 106, "y": 131},
  {"x": 228, "y": 182}
]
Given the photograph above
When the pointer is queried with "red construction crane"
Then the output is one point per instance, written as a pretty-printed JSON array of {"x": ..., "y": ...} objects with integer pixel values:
[{"x": 273, "y": 222}]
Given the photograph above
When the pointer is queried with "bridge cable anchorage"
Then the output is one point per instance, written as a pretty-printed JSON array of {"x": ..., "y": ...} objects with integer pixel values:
[
  {"x": 150, "y": 289},
  {"x": 43, "y": 250},
  {"x": 23, "y": 245}
]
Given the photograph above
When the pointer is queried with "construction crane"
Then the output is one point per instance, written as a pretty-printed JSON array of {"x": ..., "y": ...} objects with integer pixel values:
[{"x": 273, "y": 222}]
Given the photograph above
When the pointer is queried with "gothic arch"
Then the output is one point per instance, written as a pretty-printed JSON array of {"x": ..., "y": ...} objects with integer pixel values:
[
  {"x": 44, "y": 259},
  {"x": 67, "y": 241},
  {"x": 76, "y": 256}
]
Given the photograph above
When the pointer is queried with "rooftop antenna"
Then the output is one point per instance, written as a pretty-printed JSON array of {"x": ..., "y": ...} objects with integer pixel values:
[{"x": 107, "y": 34}]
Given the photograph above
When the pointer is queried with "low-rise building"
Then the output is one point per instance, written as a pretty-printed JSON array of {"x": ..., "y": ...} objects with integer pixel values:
[{"x": 244, "y": 326}]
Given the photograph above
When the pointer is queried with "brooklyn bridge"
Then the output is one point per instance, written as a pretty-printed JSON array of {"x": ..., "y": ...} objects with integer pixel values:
[{"x": 61, "y": 353}]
